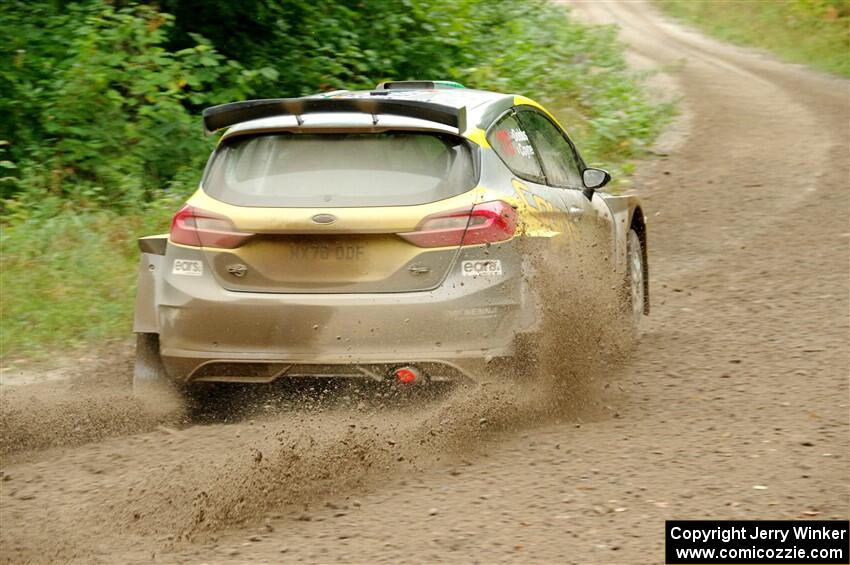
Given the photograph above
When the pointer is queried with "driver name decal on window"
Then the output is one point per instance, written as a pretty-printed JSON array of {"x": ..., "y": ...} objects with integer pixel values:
[
  {"x": 515, "y": 141},
  {"x": 513, "y": 145},
  {"x": 520, "y": 140}
]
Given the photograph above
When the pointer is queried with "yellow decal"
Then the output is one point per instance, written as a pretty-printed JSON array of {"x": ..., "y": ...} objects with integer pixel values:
[
  {"x": 522, "y": 100},
  {"x": 539, "y": 216},
  {"x": 478, "y": 136},
  {"x": 542, "y": 204},
  {"x": 523, "y": 193}
]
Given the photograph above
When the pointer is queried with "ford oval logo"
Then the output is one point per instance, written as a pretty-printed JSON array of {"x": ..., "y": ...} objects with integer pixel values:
[{"x": 324, "y": 218}]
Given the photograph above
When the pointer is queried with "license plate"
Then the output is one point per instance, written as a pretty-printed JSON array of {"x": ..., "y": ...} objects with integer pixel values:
[{"x": 320, "y": 252}]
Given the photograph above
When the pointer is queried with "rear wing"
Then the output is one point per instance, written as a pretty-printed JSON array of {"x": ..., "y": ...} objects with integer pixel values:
[{"x": 226, "y": 115}]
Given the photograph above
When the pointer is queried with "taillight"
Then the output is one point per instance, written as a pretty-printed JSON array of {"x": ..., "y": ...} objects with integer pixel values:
[
  {"x": 199, "y": 228},
  {"x": 488, "y": 222}
]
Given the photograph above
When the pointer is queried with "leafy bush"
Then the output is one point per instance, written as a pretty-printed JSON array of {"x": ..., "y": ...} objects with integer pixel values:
[{"x": 106, "y": 118}]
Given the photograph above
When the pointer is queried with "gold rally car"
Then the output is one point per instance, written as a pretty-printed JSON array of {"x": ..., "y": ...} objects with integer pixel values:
[{"x": 375, "y": 234}]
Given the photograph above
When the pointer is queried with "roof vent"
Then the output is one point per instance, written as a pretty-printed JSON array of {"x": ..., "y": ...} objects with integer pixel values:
[{"x": 417, "y": 85}]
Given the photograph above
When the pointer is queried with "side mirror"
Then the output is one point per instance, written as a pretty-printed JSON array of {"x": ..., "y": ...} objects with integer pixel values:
[{"x": 595, "y": 179}]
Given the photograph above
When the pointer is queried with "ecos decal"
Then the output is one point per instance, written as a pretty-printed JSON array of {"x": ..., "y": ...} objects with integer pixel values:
[
  {"x": 187, "y": 268},
  {"x": 486, "y": 267}
]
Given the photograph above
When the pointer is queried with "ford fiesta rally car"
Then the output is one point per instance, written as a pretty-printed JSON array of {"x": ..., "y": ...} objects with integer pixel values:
[{"x": 371, "y": 234}]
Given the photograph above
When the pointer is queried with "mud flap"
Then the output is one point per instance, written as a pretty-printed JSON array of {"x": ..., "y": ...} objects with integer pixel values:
[{"x": 151, "y": 383}]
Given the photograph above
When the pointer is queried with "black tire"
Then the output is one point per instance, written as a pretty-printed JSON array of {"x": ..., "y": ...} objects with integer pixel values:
[{"x": 635, "y": 284}]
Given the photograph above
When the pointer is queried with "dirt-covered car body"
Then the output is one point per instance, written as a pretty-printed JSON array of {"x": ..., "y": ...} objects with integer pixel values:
[{"x": 353, "y": 233}]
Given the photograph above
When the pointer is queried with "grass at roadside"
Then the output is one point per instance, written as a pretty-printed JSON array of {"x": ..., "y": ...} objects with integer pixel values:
[
  {"x": 812, "y": 32},
  {"x": 68, "y": 264},
  {"x": 68, "y": 277}
]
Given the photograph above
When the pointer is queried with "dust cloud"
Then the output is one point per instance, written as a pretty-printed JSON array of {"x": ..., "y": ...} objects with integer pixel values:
[{"x": 94, "y": 402}]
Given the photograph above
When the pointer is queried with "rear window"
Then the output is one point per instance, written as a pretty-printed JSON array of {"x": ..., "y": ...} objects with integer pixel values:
[{"x": 348, "y": 169}]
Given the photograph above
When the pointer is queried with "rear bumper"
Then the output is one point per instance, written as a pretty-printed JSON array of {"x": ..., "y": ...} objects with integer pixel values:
[
  {"x": 454, "y": 329},
  {"x": 190, "y": 369}
]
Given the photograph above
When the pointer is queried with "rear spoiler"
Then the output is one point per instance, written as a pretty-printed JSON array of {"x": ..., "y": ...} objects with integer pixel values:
[{"x": 226, "y": 115}]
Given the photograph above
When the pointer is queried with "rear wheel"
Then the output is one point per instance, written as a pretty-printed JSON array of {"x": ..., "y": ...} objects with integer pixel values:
[
  {"x": 151, "y": 383},
  {"x": 635, "y": 272}
]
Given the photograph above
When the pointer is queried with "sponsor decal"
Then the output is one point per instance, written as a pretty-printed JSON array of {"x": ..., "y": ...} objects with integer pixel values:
[
  {"x": 485, "y": 267},
  {"x": 467, "y": 313},
  {"x": 520, "y": 139},
  {"x": 505, "y": 141},
  {"x": 188, "y": 268},
  {"x": 515, "y": 141}
]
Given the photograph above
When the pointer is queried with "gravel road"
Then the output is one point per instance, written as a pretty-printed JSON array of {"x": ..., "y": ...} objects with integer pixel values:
[{"x": 734, "y": 405}]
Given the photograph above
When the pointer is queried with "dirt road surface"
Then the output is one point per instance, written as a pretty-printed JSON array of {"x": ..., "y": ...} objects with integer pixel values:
[{"x": 734, "y": 405}]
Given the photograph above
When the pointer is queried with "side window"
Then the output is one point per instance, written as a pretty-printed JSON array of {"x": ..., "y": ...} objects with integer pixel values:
[
  {"x": 511, "y": 144},
  {"x": 559, "y": 160}
]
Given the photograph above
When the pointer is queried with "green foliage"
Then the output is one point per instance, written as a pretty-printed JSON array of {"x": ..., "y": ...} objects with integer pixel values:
[
  {"x": 333, "y": 44},
  {"x": 100, "y": 134},
  {"x": 813, "y": 32},
  {"x": 105, "y": 118}
]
